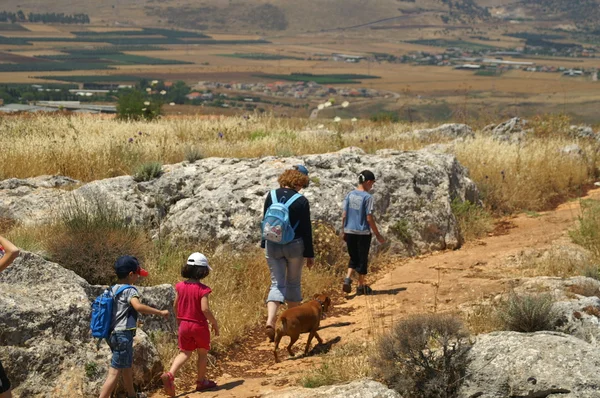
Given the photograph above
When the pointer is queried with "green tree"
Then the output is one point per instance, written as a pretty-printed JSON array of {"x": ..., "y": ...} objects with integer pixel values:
[{"x": 134, "y": 105}]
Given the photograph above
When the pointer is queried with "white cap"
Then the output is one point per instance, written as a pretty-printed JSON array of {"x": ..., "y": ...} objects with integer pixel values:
[{"x": 198, "y": 260}]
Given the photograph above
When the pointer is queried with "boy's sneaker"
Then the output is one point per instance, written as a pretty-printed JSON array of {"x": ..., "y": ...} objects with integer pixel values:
[
  {"x": 205, "y": 385},
  {"x": 347, "y": 286},
  {"x": 360, "y": 290}
]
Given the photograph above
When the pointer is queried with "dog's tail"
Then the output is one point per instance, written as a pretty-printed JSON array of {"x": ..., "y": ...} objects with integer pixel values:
[{"x": 284, "y": 325}]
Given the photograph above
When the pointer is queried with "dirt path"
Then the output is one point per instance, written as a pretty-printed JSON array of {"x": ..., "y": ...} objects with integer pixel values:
[{"x": 441, "y": 281}]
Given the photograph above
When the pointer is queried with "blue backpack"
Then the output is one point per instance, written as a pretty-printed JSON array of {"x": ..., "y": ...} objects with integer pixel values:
[
  {"x": 276, "y": 225},
  {"x": 102, "y": 312}
]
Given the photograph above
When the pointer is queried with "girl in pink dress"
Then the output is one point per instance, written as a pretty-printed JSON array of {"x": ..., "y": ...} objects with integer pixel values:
[{"x": 193, "y": 316}]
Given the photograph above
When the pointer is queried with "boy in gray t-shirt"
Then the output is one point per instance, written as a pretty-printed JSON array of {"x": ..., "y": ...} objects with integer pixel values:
[
  {"x": 124, "y": 324},
  {"x": 357, "y": 224}
]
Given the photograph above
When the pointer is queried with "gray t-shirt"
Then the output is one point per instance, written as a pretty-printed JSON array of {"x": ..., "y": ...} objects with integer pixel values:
[
  {"x": 124, "y": 316},
  {"x": 358, "y": 205}
]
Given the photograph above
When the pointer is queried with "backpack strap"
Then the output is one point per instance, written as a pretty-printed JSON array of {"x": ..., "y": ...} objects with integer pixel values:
[
  {"x": 123, "y": 288},
  {"x": 274, "y": 196},
  {"x": 292, "y": 200}
]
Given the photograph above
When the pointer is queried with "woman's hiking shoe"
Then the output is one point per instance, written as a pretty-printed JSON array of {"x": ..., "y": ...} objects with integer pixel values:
[
  {"x": 347, "y": 286},
  {"x": 168, "y": 383},
  {"x": 360, "y": 290},
  {"x": 205, "y": 385}
]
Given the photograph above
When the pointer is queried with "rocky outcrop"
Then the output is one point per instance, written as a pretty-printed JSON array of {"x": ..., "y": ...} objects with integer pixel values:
[
  {"x": 542, "y": 364},
  {"x": 450, "y": 130},
  {"x": 513, "y": 130},
  {"x": 357, "y": 389},
  {"x": 45, "y": 343},
  {"x": 223, "y": 199}
]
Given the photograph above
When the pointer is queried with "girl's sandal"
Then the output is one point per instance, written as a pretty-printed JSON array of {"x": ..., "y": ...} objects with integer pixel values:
[
  {"x": 168, "y": 383},
  {"x": 205, "y": 385}
]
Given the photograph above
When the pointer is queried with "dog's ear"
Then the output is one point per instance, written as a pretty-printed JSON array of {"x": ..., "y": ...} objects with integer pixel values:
[
  {"x": 316, "y": 296},
  {"x": 327, "y": 300}
]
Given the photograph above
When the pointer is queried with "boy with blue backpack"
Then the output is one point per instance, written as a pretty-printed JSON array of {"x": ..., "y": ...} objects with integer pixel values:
[
  {"x": 114, "y": 317},
  {"x": 287, "y": 239}
]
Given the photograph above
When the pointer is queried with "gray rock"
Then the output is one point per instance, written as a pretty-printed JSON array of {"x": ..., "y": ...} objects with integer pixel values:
[
  {"x": 542, "y": 364},
  {"x": 450, "y": 130},
  {"x": 572, "y": 150},
  {"x": 223, "y": 199},
  {"x": 45, "y": 344},
  {"x": 585, "y": 132},
  {"x": 513, "y": 130},
  {"x": 579, "y": 318},
  {"x": 357, "y": 389}
]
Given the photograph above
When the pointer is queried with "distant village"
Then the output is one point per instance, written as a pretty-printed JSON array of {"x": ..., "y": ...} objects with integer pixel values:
[{"x": 282, "y": 89}]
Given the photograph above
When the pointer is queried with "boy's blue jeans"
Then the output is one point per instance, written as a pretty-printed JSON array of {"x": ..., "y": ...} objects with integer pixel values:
[
  {"x": 121, "y": 345},
  {"x": 285, "y": 263}
]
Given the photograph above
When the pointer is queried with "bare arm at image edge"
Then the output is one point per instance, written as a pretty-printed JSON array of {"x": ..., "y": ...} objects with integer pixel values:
[{"x": 10, "y": 253}]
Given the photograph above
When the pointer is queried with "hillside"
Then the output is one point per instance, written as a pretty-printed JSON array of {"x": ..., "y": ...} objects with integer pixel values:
[{"x": 237, "y": 16}]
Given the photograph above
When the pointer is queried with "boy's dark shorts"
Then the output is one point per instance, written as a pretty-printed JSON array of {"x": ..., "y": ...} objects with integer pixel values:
[
  {"x": 121, "y": 345},
  {"x": 4, "y": 382},
  {"x": 358, "y": 249}
]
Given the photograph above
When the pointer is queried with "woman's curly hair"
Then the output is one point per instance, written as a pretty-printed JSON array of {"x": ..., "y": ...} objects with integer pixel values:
[{"x": 293, "y": 179}]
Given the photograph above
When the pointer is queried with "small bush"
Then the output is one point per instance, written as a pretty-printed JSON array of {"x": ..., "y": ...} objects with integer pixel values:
[
  {"x": 587, "y": 233},
  {"x": 424, "y": 356},
  {"x": 401, "y": 232},
  {"x": 192, "y": 154},
  {"x": 329, "y": 248},
  {"x": 473, "y": 221},
  {"x": 385, "y": 117},
  {"x": 132, "y": 106},
  {"x": 483, "y": 318},
  {"x": 148, "y": 171},
  {"x": 528, "y": 313},
  {"x": 90, "y": 235}
]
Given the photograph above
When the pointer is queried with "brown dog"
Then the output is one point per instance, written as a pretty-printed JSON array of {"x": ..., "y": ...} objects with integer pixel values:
[{"x": 302, "y": 319}]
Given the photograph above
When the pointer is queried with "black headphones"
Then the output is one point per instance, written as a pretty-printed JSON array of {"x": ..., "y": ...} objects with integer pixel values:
[{"x": 361, "y": 178}]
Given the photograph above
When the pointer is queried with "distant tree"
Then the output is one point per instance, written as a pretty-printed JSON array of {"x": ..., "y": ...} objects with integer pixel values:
[{"x": 132, "y": 106}]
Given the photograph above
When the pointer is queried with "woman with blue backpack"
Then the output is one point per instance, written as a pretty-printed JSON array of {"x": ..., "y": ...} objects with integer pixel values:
[{"x": 287, "y": 240}]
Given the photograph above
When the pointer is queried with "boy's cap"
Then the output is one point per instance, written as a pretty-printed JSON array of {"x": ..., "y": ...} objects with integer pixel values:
[
  {"x": 301, "y": 169},
  {"x": 127, "y": 264},
  {"x": 368, "y": 175},
  {"x": 198, "y": 260}
]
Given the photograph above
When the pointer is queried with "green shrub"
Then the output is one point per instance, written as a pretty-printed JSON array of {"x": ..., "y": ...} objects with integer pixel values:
[
  {"x": 473, "y": 221},
  {"x": 587, "y": 232},
  {"x": 132, "y": 106},
  {"x": 527, "y": 313},
  {"x": 423, "y": 356},
  {"x": 385, "y": 117},
  {"x": 90, "y": 234},
  {"x": 401, "y": 232},
  {"x": 148, "y": 171},
  {"x": 193, "y": 153}
]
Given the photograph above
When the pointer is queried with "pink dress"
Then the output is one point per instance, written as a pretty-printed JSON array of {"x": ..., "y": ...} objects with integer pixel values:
[{"x": 193, "y": 327}]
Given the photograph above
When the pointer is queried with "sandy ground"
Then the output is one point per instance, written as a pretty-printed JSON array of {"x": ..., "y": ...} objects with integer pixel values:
[{"x": 441, "y": 281}]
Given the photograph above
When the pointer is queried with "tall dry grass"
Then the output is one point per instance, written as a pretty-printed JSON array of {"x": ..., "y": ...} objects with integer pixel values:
[
  {"x": 531, "y": 176},
  {"x": 90, "y": 148}
]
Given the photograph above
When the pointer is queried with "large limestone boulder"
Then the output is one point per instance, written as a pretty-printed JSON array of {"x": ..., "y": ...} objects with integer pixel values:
[
  {"x": 357, "y": 389},
  {"x": 45, "y": 342},
  {"x": 223, "y": 199},
  {"x": 542, "y": 364}
]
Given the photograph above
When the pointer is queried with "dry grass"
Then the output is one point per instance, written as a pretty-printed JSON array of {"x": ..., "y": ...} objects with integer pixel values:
[
  {"x": 345, "y": 363},
  {"x": 558, "y": 262},
  {"x": 534, "y": 176},
  {"x": 482, "y": 318}
]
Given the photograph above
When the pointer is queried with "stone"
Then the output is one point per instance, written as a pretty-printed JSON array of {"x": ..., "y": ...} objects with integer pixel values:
[
  {"x": 541, "y": 364},
  {"x": 357, "y": 389},
  {"x": 46, "y": 345},
  {"x": 221, "y": 200},
  {"x": 513, "y": 130}
]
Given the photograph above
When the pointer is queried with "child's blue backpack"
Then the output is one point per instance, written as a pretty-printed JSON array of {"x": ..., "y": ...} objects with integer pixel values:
[
  {"x": 102, "y": 312},
  {"x": 276, "y": 225}
]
